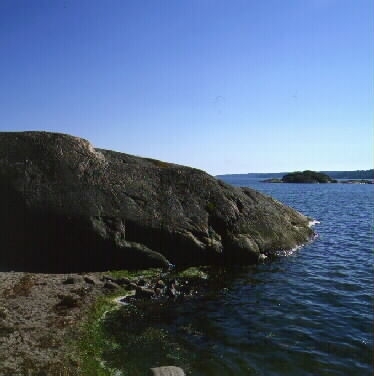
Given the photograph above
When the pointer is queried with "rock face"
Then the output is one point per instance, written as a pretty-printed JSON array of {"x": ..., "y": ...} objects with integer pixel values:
[{"x": 69, "y": 207}]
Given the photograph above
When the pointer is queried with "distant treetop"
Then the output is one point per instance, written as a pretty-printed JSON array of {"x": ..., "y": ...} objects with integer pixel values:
[
  {"x": 307, "y": 177},
  {"x": 358, "y": 174}
]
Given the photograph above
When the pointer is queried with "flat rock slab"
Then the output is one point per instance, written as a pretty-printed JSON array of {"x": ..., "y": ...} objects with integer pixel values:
[
  {"x": 167, "y": 371},
  {"x": 39, "y": 316}
]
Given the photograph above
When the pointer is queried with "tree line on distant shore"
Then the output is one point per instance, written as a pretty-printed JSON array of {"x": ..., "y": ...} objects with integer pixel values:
[
  {"x": 358, "y": 174},
  {"x": 309, "y": 176}
]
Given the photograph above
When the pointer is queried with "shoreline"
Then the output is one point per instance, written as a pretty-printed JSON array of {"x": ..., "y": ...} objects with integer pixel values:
[
  {"x": 44, "y": 318},
  {"x": 39, "y": 318},
  {"x": 47, "y": 320}
]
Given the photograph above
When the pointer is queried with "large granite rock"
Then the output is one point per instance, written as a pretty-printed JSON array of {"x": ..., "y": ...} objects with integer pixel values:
[{"x": 66, "y": 206}]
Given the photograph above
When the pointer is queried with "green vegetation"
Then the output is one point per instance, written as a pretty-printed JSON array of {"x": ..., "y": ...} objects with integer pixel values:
[
  {"x": 92, "y": 340},
  {"x": 134, "y": 342},
  {"x": 193, "y": 273},
  {"x": 128, "y": 338},
  {"x": 307, "y": 177},
  {"x": 358, "y": 174},
  {"x": 132, "y": 338}
]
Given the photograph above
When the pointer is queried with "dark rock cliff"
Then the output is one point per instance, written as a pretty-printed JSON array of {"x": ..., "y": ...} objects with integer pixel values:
[{"x": 66, "y": 206}]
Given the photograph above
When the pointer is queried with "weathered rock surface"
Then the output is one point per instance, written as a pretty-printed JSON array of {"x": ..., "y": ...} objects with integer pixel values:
[
  {"x": 69, "y": 207},
  {"x": 39, "y": 317}
]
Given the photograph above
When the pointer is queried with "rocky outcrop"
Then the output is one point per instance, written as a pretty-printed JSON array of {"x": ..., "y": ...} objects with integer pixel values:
[
  {"x": 67, "y": 206},
  {"x": 272, "y": 180}
]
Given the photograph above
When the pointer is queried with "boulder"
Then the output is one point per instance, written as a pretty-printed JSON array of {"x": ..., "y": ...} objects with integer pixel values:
[
  {"x": 69, "y": 281},
  {"x": 69, "y": 207},
  {"x": 90, "y": 280},
  {"x": 110, "y": 285},
  {"x": 167, "y": 371},
  {"x": 67, "y": 301},
  {"x": 160, "y": 284},
  {"x": 144, "y": 293},
  {"x": 122, "y": 281}
]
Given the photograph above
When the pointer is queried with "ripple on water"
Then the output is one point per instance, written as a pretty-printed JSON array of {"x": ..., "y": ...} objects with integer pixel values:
[{"x": 309, "y": 313}]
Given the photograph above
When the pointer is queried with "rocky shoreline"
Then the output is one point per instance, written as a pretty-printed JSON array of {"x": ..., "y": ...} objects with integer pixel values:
[
  {"x": 125, "y": 212},
  {"x": 68, "y": 208},
  {"x": 41, "y": 315}
]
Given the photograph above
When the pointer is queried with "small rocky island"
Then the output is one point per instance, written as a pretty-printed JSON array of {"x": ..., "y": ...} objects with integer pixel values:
[
  {"x": 306, "y": 176},
  {"x": 357, "y": 181},
  {"x": 68, "y": 207}
]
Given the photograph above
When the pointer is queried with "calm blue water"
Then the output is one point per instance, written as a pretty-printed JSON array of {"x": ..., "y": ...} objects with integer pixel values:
[{"x": 310, "y": 313}]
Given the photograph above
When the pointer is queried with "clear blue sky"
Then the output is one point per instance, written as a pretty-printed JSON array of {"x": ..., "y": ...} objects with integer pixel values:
[{"x": 230, "y": 86}]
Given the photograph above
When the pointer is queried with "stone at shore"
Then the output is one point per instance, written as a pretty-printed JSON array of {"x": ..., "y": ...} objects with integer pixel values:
[
  {"x": 167, "y": 371},
  {"x": 110, "y": 285},
  {"x": 67, "y": 207},
  {"x": 143, "y": 292},
  {"x": 272, "y": 180}
]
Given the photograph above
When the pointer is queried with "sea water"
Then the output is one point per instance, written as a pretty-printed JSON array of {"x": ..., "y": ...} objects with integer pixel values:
[{"x": 309, "y": 312}]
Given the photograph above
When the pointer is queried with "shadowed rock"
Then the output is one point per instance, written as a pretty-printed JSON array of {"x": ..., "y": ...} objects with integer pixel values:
[{"x": 69, "y": 207}]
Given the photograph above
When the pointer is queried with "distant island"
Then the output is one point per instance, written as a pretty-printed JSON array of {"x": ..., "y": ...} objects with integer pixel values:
[
  {"x": 313, "y": 177},
  {"x": 352, "y": 175},
  {"x": 306, "y": 176}
]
